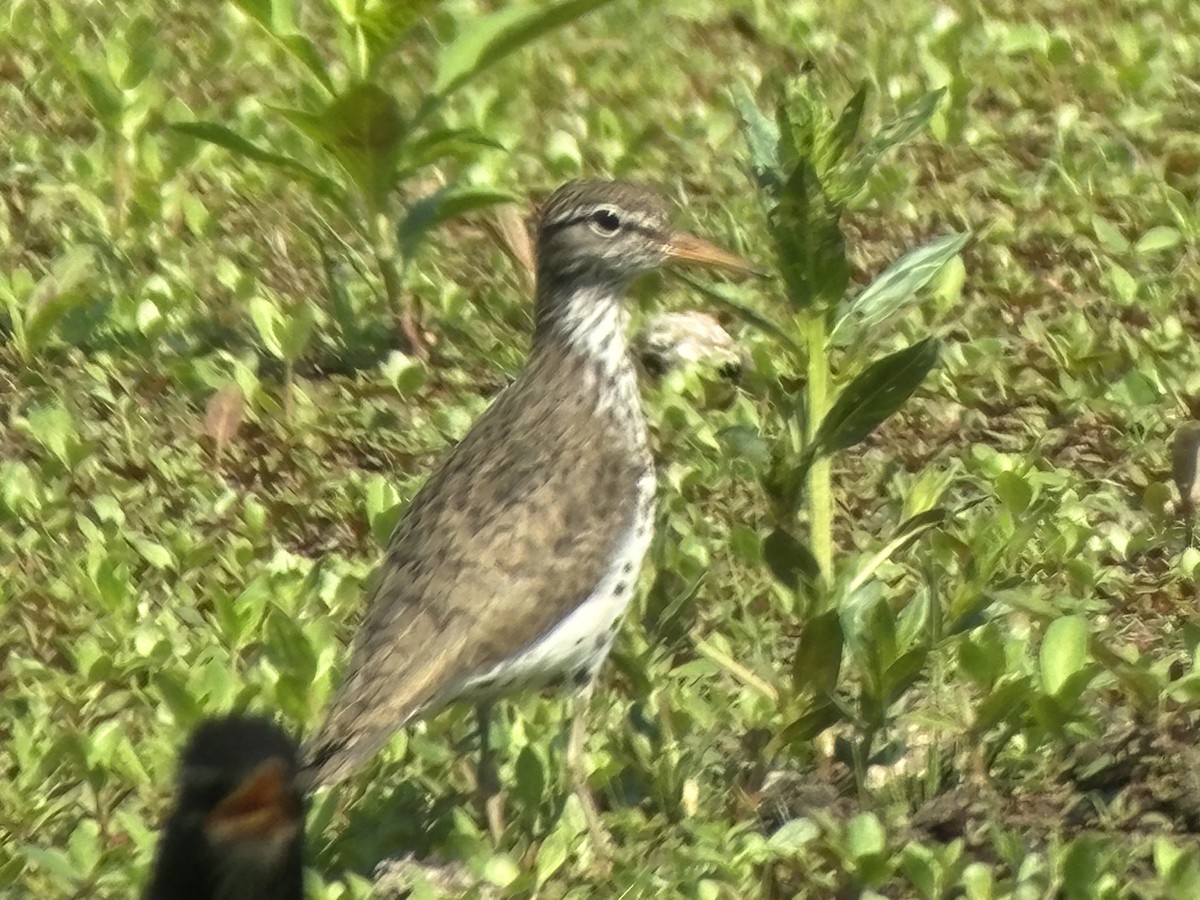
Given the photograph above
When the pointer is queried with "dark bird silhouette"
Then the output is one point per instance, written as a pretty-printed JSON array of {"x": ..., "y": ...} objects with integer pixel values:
[{"x": 236, "y": 830}]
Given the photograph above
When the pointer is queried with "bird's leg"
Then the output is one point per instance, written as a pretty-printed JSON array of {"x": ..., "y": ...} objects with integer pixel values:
[
  {"x": 577, "y": 770},
  {"x": 487, "y": 780}
]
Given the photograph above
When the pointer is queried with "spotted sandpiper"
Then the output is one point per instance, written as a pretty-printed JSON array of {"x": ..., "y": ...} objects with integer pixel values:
[
  {"x": 236, "y": 830},
  {"x": 514, "y": 564}
]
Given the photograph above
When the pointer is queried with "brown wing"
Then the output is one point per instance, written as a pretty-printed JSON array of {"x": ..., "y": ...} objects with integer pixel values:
[{"x": 512, "y": 531}]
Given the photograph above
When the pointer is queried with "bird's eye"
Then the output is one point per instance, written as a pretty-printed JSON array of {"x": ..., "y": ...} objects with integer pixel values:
[{"x": 605, "y": 221}]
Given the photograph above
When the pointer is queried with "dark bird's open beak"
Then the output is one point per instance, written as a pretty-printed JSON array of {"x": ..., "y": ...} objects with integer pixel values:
[
  {"x": 687, "y": 248},
  {"x": 262, "y": 807}
]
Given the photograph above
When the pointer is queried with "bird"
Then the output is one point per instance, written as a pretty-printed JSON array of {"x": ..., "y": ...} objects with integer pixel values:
[
  {"x": 236, "y": 829},
  {"x": 512, "y": 567}
]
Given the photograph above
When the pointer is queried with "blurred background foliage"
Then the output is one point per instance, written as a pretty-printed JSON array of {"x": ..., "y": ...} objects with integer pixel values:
[{"x": 251, "y": 290}]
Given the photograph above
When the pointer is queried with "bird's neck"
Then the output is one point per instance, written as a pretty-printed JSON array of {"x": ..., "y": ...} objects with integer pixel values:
[{"x": 586, "y": 321}]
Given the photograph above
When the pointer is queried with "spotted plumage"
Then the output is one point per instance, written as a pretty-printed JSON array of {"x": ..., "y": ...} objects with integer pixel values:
[{"x": 514, "y": 564}]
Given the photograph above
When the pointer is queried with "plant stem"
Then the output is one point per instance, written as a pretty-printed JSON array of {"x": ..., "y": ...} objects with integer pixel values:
[
  {"x": 820, "y": 488},
  {"x": 383, "y": 245},
  {"x": 385, "y": 258}
]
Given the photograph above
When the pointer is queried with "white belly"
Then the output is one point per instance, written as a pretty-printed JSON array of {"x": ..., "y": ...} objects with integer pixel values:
[{"x": 574, "y": 649}]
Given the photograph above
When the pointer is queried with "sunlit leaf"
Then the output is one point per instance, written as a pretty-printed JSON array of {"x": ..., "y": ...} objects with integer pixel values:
[
  {"x": 231, "y": 140},
  {"x": 490, "y": 38},
  {"x": 1064, "y": 652},
  {"x": 873, "y": 396},
  {"x": 899, "y": 283},
  {"x": 447, "y": 203}
]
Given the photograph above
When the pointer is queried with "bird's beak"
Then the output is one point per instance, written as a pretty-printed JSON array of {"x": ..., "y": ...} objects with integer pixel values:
[
  {"x": 687, "y": 248},
  {"x": 258, "y": 809}
]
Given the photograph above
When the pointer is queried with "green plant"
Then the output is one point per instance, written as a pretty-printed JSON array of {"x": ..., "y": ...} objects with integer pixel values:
[
  {"x": 362, "y": 143},
  {"x": 809, "y": 165}
]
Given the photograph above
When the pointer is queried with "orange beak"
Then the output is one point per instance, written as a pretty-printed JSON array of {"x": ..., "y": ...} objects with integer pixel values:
[
  {"x": 260, "y": 808},
  {"x": 687, "y": 248}
]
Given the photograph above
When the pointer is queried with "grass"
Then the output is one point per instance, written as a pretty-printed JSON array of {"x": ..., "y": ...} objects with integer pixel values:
[{"x": 149, "y": 576}]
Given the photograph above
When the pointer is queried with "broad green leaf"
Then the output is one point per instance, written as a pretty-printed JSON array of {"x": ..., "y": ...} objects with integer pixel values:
[
  {"x": 1157, "y": 239},
  {"x": 1108, "y": 235},
  {"x": 762, "y": 138},
  {"x": 447, "y": 203},
  {"x": 56, "y": 295},
  {"x": 52, "y": 861},
  {"x": 864, "y": 835},
  {"x": 1014, "y": 492},
  {"x": 261, "y": 11},
  {"x": 899, "y": 283},
  {"x": 53, "y": 427},
  {"x": 490, "y": 38},
  {"x": 903, "y": 673},
  {"x": 153, "y": 552},
  {"x": 105, "y": 99},
  {"x": 295, "y": 329},
  {"x": 1064, "y": 652},
  {"x": 789, "y": 560},
  {"x": 873, "y": 396},
  {"x": 812, "y": 723},
  {"x": 818, "y": 660},
  {"x": 266, "y": 318},
  {"x": 288, "y": 647},
  {"x": 142, "y": 39},
  {"x": 846, "y": 130},
  {"x": 810, "y": 248}
]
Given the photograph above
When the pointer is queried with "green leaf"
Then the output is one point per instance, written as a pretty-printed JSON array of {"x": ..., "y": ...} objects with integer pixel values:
[
  {"x": 142, "y": 40},
  {"x": 1014, "y": 492},
  {"x": 903, "y": 673},
  {"x": 438, "y": 144},
  {"x": 762, "y": 138},
  {"x": 789, "y": 560},
  {"x": 363, "y": 129},
  {"x": 1108, "y": 235},
  {"x": 812, "y": 723},
  {"x": 288, "y": 647},
  {"x": 231, "y": 140},
  {"x": 900, "y": 282},
  {"x": 386, "y": 22},
  {"x": 846, "y": 130},
  {"x": 864, "y": 835},
  {"x": 56, "y": 295},
  {"x": 447, "y": 203},
  {"x": 818, "y": 660},
  {"x": 306, "y": 53},
  {"x": 490, "y": 38},
  {"x": 1157, "y": 239},
  {"x": 53, "y": 427},
  {"x": 295, "y": 330},
  {"x": 877, "y": 392},
  {"x": 810, "y": 248},
  {"x": 900, "y": 129},
  {"x": 1064, "y": 652},
  {"x": 266, "y": 318},
  {"x": 153, "y": 552}
]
